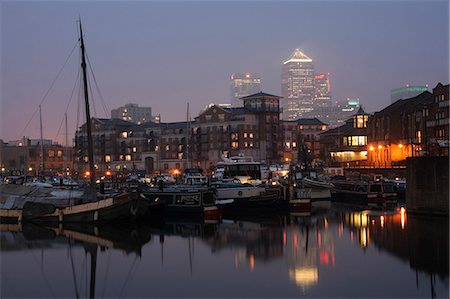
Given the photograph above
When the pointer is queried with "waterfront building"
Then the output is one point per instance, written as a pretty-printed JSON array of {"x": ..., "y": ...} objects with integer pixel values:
[
  {"x": 242, "y": 85},
  {"x": 346, "y": 145},
  {"x": 409, "y": 128},
  {"x": 301, "y": 140},
  {"x": 250, "y": 130},
  {"x": 24, "y": 157},
  {"x": 297, "y": 86},
  {"x": 438, "y": 122},
  {"x": 133, "y": 113},
  {"x": 407, "y": 92}
]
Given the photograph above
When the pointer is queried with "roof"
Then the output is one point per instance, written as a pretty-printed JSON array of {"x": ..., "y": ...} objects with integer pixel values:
[
  {"x": 298, "y": 56},
  {"x": 260, "y": 95},
  {"x": 114, "y": 122},
  {"x": 407, "y": 105},
  {"x": 236, "y": 110},
  {"x": 309, "y": 121}
]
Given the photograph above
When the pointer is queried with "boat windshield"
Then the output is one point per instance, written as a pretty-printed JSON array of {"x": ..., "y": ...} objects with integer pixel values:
[{"x": 251, "y": 169}]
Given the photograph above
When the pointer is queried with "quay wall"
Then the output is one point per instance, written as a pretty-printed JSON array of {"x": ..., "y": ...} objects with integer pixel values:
[{"x": 427, "y": 185}]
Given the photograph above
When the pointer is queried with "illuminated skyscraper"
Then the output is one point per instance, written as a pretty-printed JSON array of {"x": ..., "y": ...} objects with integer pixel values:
[
  {"x": 297, "y": 86},
  {"x": 323, "y": 94},
  {"x": 243, "y": 85}
]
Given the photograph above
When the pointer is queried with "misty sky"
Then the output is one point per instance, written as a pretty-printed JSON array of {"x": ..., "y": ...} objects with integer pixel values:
[{"x": 165, "y": 54}]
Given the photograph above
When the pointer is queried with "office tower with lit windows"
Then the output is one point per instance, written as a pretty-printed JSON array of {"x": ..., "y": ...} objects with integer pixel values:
[
  {"x": 297, "y": 86},
  {"x": 134, "y": 113},
  {"x": 323, "y": 94},
  {"x": 243, "y": 85}
]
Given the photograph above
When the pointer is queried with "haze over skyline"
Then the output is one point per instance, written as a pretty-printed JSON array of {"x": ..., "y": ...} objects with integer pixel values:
[{"x": 165, "y": 54}]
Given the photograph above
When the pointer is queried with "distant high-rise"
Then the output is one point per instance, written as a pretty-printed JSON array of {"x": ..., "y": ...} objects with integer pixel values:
[
  {"x": 297, "y": 86},
  {"x": 323, "y": 94},
  {"x": 134, "y": 113},
  {"x": 406, "y": 92},
  {"x": 243, "y": 85}
]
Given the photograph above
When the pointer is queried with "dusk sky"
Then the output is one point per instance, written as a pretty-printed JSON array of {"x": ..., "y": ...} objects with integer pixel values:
[{"x": 165, "y": 54}]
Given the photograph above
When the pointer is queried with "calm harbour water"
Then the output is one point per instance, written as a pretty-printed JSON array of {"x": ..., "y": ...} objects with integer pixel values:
[{"x": 340, "y": 253}]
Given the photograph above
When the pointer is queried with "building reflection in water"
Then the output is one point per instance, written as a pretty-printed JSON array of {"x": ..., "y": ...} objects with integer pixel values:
[
  {"x": 309, "y": 242},
  {"x": 421, "y": 241}
]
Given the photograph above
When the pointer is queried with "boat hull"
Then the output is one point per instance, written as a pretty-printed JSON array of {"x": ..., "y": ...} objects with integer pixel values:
[{"x": 127, "y": 206}]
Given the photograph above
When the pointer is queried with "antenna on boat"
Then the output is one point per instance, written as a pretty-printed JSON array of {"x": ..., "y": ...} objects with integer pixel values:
[{"x": 88, "y": 115}]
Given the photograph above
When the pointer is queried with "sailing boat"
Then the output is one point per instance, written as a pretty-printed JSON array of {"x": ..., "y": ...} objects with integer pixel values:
[{"x": 90, "y": 209}]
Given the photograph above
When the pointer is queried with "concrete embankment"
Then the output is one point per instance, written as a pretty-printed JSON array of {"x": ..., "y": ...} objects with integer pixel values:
[{"x": 427, "y": 185}]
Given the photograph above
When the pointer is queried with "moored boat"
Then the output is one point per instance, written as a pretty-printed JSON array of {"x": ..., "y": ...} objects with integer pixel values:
[
  {"x": 367, "y": 193},
  {"x": 181, "y": 200}
]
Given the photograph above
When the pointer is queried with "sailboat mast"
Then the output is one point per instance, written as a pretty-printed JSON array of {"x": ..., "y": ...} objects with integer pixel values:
[
  {"x": 66, "y": 154},
  {"x": 88, "y": 114},
  {"x": 41, "y": 167},
  {"x": 187, "y": 137}
]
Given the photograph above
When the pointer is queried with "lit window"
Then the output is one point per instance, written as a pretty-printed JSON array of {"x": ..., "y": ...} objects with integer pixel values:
[
  {"x": 51, "y": 153},
  {"x": 180, "y": 156},
  {"x": 234, "y": 144},
  {"x": 288, "y": 144},
  {"x": 250, "y": 135},
  {"x": 86, "y": 159},
  {"x": 59, "y": 153},
  {"x": 245, "y": 135},
  {"x": 120, "y": 157},
  {"x": 124, "y": 134},
  {"x": 128, "y": 157},
  {"x": 294, "y": 144},
  {"x": 234, "y": 136},
  {"x": 419, "y": 136},
  {"x": 157, "y": 148},
  {"x": 108, "y": 158},
  {"x": 167, "y": 147},
  {"x": 134, "y": 149},
  {"x": 251, "y": 144}
]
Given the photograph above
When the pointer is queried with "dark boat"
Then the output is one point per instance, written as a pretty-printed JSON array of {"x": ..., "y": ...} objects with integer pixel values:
[
  {"x": 359, "y": 192},
  {"x": 184, "y": 201}
]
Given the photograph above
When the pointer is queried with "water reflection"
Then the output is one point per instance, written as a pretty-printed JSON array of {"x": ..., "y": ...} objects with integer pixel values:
[{"x": 337, "y": 254}]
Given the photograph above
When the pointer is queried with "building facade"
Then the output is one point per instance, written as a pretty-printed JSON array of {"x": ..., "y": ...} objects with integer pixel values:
[
  {"x": 242, "y": 85},
  {"x": 301, "y": 140},
  {"x": 297, "y": 86},
  {"x": 346, "y": 145},
  {"x": 411, "y": 127},
  {"x": 322, "y": 96},
  {"x": 25, "y": 158},
  {"x": 133, "y": 113}
]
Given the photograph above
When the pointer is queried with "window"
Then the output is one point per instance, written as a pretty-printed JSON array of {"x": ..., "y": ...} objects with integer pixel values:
[
  {"x": 128, "y": 157},
  {"x": 124, "y": 134},
  {"x": 234, "y": 136},
  {"x": 107, "y": 158},
  {"x": 51, "y": 153},
  {"x": 120, "y": 157},
  {"x": 59, "y": 154},
  {"x": 288, "y": 144},
  {"x": 245, "y": 135},
  {"x": 419, "y": 136},
  {"x": 234, "y": 144},
  {"x": 134, "y": 149},
  {"x": 207, "y": 117},
  {"x": 294, "y": 144},
  {"x": 180, "y": 156},
  {"x": 221, "y": 117},
  {"x": 167, "y": 147},
  {"x": 250, "y": 135}
]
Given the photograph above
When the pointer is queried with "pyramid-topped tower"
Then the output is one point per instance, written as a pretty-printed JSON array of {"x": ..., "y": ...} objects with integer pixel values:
[{"x": 298, "y": 56}]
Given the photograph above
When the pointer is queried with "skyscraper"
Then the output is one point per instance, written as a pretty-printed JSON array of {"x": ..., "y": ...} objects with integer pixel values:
[
  {"x": 243, "y": 85},
  {"x": 297, "y": 86},
  {"x": 323, "y": 94}
]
